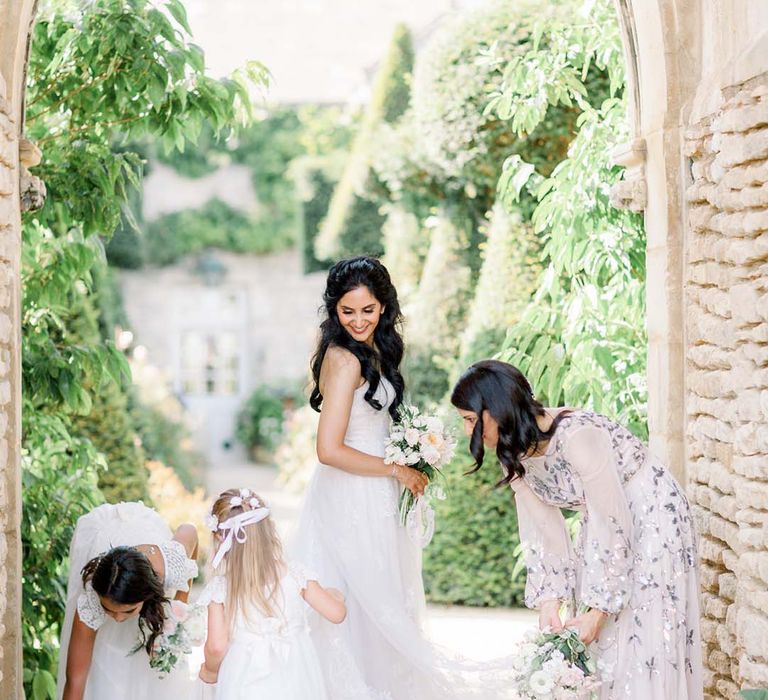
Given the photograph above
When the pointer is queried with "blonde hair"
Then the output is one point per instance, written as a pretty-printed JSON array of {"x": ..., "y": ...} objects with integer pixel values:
[{"x": 253, "y": 568}]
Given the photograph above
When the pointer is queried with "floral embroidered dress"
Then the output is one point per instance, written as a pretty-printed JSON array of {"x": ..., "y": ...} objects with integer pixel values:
[
  {"x": 270, "y": 657},
  {"x": 635, "y": 557},
  {"x": 115, "y": 673}
]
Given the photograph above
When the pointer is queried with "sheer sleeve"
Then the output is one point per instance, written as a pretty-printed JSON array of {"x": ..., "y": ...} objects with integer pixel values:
[
  {"x": 214, "y": 592},
  {"x": 546, "y": 546},
  {"x": 89, "y": 608},
  {"x": 301, "y": 574},
  {"x": 179, "y": 568},
  {"x": 606, "y": 580}
]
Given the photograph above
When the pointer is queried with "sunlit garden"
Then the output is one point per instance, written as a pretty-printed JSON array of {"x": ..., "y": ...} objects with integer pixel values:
[{"x": 479, "y": 171}]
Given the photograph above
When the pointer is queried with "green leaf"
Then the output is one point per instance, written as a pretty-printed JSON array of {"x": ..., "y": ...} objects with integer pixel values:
[
  {"x": 43, "y": 685},
  {"x": 754, "y": 694},
  {"x": 179, "y": 12}
]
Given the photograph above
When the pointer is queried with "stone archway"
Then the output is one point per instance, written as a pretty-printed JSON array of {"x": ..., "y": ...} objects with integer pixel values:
[
  {"x": 17, "y": 16},
  {"x": 659, "y": 37},
  {"x": 698, "y": 167},
  {"x": 690, "y": 65}
]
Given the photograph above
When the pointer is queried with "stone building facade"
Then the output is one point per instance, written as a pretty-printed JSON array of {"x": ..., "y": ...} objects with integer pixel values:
[
  {"x": 727, "y": 379},
  {"x": 697, "y": 166}
]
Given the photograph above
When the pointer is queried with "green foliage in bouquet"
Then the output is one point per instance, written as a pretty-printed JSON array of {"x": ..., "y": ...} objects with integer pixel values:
[
  {"x": 472, "y": 559},
  {"x": 755, "y": 694}
]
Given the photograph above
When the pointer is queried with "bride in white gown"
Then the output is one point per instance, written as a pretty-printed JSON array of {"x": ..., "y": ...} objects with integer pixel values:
[
  {"x": 132, "y": 563},
  {"x": 349, "y": 531}
]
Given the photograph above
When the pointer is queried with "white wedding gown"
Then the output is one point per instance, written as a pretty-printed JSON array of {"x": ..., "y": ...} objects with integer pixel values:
[
  {"x": 115, "y": 673},
  {"x": 351, "y": 536}
]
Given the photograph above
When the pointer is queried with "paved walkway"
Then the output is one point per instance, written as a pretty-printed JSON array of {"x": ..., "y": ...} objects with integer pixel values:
[{"x": 481, "y": 633}]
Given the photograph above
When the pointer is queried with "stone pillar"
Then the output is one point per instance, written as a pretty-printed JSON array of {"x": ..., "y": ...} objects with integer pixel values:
[
  {"x": 727, "y": 379},
  {"x": 15, "y": 21},
  {"x": 10, "y": 490}
]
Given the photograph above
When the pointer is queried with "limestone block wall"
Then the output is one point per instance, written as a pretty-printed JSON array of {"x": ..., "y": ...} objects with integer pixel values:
[
  {"x": 9, "y": 212},
  {"x": 727, "y": 382}
]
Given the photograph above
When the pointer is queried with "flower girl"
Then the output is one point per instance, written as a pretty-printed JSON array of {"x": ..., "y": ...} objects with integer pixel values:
[{"x": 258, "y": 641}]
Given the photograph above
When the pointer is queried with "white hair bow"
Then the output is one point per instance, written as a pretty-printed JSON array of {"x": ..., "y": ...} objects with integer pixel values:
[{"x": 235, "y": 530}]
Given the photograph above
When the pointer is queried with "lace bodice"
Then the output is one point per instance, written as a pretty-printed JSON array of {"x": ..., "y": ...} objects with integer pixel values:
[
  {"x": 368, "y": 428},
  {"x": 179, "y": 569}
]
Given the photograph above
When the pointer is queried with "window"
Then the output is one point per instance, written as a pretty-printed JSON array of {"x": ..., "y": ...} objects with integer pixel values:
[{"x": 210, "y": 363}]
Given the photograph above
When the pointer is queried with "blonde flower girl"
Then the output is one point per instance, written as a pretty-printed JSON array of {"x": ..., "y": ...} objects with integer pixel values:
[{"x": 258, "y": 642}]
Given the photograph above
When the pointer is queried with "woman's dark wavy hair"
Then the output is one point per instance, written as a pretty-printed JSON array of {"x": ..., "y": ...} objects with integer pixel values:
[
  {"x": 503, "y": 391},
  {"x": 387, "y": 353},
  {"x": 125, "y": 576}
]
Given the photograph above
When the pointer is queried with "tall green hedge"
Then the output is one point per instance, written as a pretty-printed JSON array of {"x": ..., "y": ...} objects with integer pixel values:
[
  {"x": 110, "y": 427},
  {"x": 473, "y": 558},
  {"x": 353, "y": 225}
]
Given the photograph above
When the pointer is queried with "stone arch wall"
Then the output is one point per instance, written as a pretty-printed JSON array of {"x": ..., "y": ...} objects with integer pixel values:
[
  {"x": 701, "y": 155},
  {"x": 700, "y": 101},
  {"x": 15, "y": 21},
  {"x": 655, "y": 46}
]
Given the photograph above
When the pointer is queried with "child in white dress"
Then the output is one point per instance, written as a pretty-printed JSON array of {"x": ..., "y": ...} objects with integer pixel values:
[{"x": 258, "y": 642}]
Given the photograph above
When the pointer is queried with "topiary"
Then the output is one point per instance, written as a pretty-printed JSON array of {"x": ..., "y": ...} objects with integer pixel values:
[
  {"x": 434, "y": 316},
  {"x": 354, "y": 197},
  {"x": 109, "y": 426}
]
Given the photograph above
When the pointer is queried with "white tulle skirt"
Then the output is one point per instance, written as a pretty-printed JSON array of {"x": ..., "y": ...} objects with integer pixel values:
[
  {"x": 351, "y": 537},
  {"x": 115, "y": 673}
]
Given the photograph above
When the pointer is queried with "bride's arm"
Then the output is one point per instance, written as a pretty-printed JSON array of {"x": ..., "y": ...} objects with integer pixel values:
[
  {"x": 340, "y": 377},
  {"x": 79, "y": 657}
]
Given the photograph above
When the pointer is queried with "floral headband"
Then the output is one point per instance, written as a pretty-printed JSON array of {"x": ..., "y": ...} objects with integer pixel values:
[{"x": 234, "y": 527}]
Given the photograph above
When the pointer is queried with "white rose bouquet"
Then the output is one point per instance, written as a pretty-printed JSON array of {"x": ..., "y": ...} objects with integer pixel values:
[
  {"x": 184, "y": 628},
  {"x": 424, "y": 443},
  {"x": 554, "y": 665}
]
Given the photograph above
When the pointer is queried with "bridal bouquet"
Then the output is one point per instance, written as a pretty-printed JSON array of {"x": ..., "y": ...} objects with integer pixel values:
[
  {"x": 424, "y": 443},
  {"x": 184, "y": 628},
  {"x": 554, "y": 665}
]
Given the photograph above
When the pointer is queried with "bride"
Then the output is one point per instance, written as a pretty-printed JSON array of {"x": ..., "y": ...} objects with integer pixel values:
[
  {"x": 124, "y": 562},
  {"x": 349, "y": 531}
]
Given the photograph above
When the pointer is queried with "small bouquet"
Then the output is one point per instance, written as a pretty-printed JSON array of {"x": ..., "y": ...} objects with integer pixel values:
[
  {"x": 554, "y": 665},
  {"x": 184, "y": 628},
  {"x": 421, "y": 442}
]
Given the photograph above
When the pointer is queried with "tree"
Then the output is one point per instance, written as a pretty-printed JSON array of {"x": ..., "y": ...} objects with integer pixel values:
[
  {"x": 582, "y": 340},
  {"x": 101, "y": 75}
]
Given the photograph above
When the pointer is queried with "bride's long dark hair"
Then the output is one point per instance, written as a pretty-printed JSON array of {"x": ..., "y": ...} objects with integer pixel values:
[
  {"x": 125, "y": 576},
  {"x": 503, "y": 391},
  {"x": 386, "y": 354}
]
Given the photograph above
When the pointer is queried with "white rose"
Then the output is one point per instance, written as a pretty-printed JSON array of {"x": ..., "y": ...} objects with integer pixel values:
[
  {"x": 412, "y": 437},
  {"x": 411, "y": 457},
  {"x": 540, "y": 683},
  {"x": 430, "y": 455},
  {"x": 434, "y": 424}
]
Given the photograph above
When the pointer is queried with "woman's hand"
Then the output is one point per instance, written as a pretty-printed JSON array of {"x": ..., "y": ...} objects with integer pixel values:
[
  {"x": 414, "y": 480},
  {"x": 588, "y": 625},
  {"x": 549, "y": 615}
]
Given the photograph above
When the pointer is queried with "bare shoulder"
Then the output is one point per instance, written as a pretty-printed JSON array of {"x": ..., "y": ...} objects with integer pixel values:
[{"x": 340, "y": 361}]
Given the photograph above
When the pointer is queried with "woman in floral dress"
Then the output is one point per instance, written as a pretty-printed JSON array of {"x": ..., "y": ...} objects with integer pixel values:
[{"x": 633, "y": 574}]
